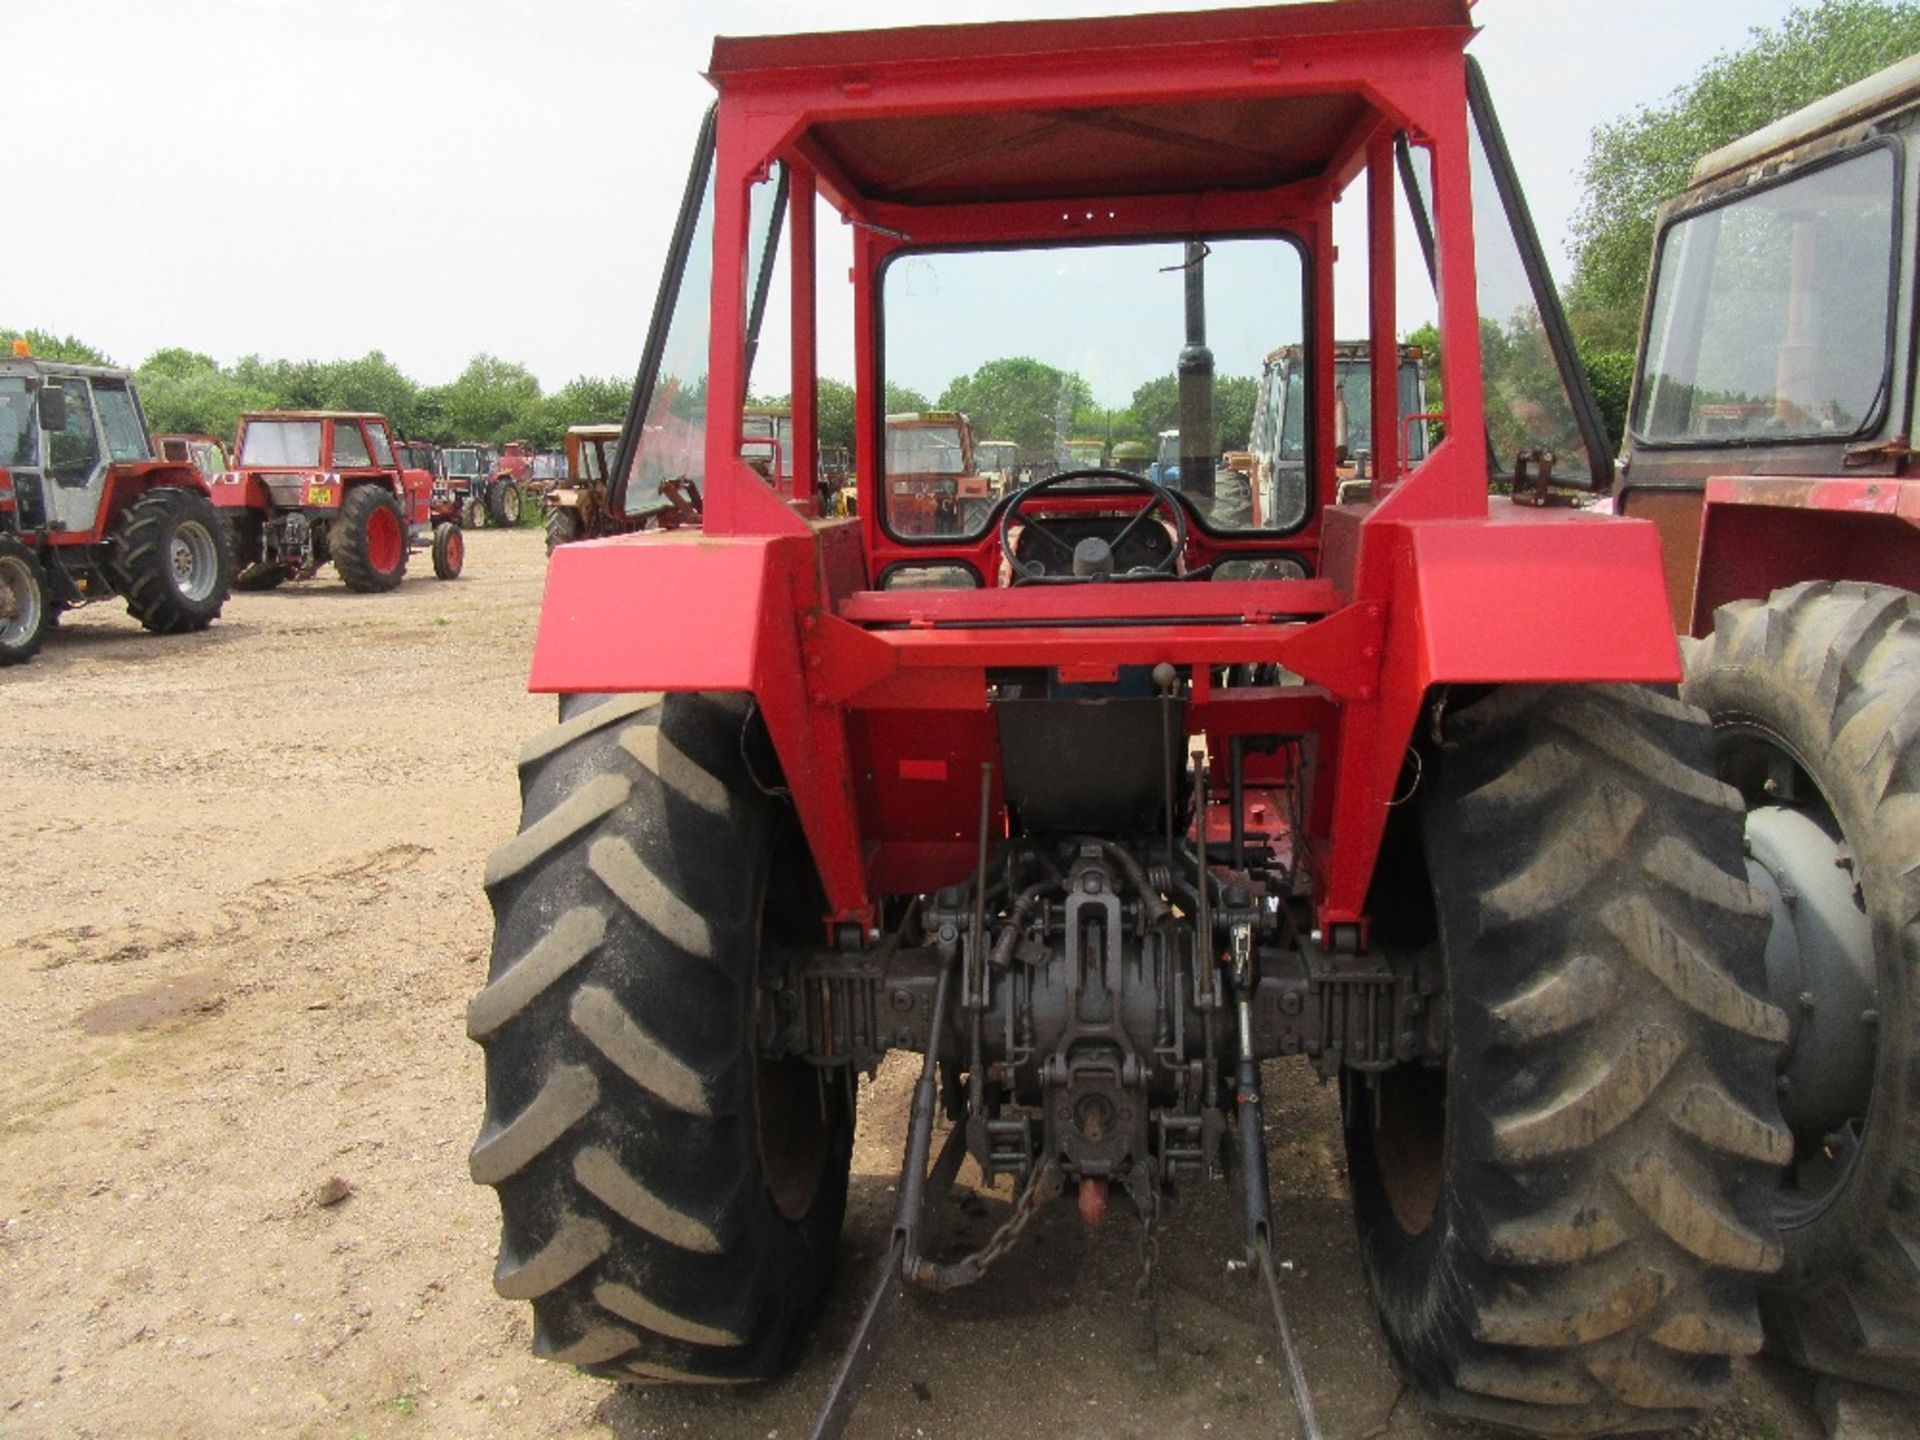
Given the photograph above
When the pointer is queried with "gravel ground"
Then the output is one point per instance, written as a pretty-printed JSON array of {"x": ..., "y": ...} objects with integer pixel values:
[{"x": 242, "y": 920}]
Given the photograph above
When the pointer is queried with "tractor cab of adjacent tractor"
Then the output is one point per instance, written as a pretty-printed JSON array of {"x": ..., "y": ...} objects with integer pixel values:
[
  {"x": 1768, "y": 441},
  {"x": 88, "y": 509},
  {"x": 1098, "y": 793}
]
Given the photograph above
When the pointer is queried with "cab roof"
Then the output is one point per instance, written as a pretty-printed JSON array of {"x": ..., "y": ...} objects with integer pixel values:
[
  {"x": 251, "y": 415},
  {"x": 1879, "y": 97},
  {"x": 979, "y": 150},
  {"x": 35, "y": 365}
]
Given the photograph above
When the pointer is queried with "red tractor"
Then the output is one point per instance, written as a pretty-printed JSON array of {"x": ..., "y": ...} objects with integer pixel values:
[
  {"x": 312, "y": 486},
  {"x": 1101, "y": 797},
  {"x": 88, "y": 511},
  {"x": 1768, "y": 444},
  {"x": 500, "y": 491}
]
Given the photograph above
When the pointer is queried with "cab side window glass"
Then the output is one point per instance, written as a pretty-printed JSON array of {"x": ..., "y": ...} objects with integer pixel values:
[
  {"x": 126, "y": 436},
  {"x": 382, "y": 451},
  {"x": 349, "y": 449}
]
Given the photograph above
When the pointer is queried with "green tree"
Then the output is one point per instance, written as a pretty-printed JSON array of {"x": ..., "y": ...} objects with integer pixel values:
[
  {"x": 48, "y": 346},
  {"x": 904, "y": 399},
  {"x": 491, "y": 400},
  {"x": 1638, "y": 161},
  {"x": 589, "y": 400},
  {"x": 835, "y": 412},
  {"x": 1156, "y": 406},
  {"x": 187, "y": 392},
  {"x": 372, "y": 382},
  {"x": 1018, "y": 399}
]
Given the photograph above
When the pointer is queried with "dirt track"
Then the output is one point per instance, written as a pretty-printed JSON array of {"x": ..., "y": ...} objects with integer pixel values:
[{"x": 242, "y": 919}]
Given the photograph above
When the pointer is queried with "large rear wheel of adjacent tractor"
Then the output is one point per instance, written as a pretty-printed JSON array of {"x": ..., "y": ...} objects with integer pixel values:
[
  {"x": 1815, "y": 699},
  {"x": 172, "y": 561},
  {"x": 369, "y": 540},
  {"x": 670, "y": 1202},
  {"x": 503, "y": 503},
  {"x": 1564, "y": 1227},
  {"x": 26, "y": 605}
]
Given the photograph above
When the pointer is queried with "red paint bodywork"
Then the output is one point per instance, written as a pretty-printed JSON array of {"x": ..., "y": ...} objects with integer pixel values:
[
  {"x": 877, "y": 700},
  {"x": 1759, "y": 534},
  {"x": 325, "y": 486}
]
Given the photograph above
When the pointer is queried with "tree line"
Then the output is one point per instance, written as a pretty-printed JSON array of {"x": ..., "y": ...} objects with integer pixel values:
[{"x": 491, "y": 401}]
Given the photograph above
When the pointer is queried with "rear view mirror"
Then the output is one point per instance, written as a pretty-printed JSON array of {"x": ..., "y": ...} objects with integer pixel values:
[{"x": 53, "y": 408}]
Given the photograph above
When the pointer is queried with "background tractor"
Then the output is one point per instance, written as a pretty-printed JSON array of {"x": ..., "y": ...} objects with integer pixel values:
[
  {"x": 88, "y": 511},
  {"x": 1101, "y": 794},
  {"x": 574, "y": 505},
  {"x": 504, "y": 487},
  {"x": 313, "y": 486},
  {"x": 1768, "y": 443}
]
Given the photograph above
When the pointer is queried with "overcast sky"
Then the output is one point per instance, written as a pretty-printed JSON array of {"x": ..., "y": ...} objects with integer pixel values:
[{"x": 435, "y": 178}]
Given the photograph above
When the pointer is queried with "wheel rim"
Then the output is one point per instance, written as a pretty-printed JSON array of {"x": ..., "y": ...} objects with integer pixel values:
[
  {"x": 383, "y": 540},
  {"x": 1805, "y": 979},
  {"x": 22, "y": 600},
  {"x": 194, "y": 559},
  {"x": 792, "y": 1130},
  {"x": 456, "y": 550}
]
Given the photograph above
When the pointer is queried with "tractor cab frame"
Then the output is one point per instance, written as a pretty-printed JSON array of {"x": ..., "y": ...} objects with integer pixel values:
[{"x": 1368, "y": 639}]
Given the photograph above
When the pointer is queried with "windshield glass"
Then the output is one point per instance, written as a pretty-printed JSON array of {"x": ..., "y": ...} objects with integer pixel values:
[
  {"x": 1050, "y": 348},
  {"x": 924, "y": 449},
  {"x": 19, "y": 425},
  {"x": 461, "y": 462},
  {"x": 281, "y": 442},
  {"x": 1772, "y": 315}
]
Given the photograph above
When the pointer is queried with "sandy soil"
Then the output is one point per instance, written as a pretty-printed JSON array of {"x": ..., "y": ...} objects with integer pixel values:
[{"x": 242, "y": 918}]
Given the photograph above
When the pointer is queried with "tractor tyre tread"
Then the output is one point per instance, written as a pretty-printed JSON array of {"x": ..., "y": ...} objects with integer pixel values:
[
  {"x": 563, "y": 528},
  {"x": 1831, "y": 671},
  {"x": 1592, "y": 1260},
  {"x": 348, "y": 543},
  {"x": 142, "y": 563},
  {"x": 620, "y": 1126}
]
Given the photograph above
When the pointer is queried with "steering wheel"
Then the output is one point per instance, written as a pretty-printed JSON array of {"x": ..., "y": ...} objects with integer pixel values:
[{"x": 1089, "y": 566}]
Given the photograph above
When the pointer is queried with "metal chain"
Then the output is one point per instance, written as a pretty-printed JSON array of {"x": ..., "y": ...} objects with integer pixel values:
[{"x": 1043, "y": 1184}]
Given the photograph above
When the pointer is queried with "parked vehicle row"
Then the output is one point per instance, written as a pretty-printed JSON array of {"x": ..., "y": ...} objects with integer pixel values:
[{"x": 93, "y": 505}]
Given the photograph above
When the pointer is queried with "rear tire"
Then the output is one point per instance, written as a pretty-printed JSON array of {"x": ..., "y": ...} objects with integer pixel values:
[
  {"x": 26, "y": 604},
  {"x": 473, "y": 515},
  {"x": 1564, "y": 1230},
  {"x": 1823, "y": 679},
  {"x": 369, "y": 540},
  {"x": 563, "y": 528},
  {"x": 449, "y": 550},
  {"x": 670, "y": 1204},
  {"x": 173, "y": 562},
  {"x": 503, "y": 503}
]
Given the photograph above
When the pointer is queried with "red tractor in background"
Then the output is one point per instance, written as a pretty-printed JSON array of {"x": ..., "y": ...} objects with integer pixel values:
[
  {"x": 1768, "y": 443},
  {"x": 509, "y": 473},
  {"x": 1103, "y": 796},
  {"x": 442, "y": 504},
  {"x": 313, "y": 486},
  {"x": 87, "y": 510}
]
